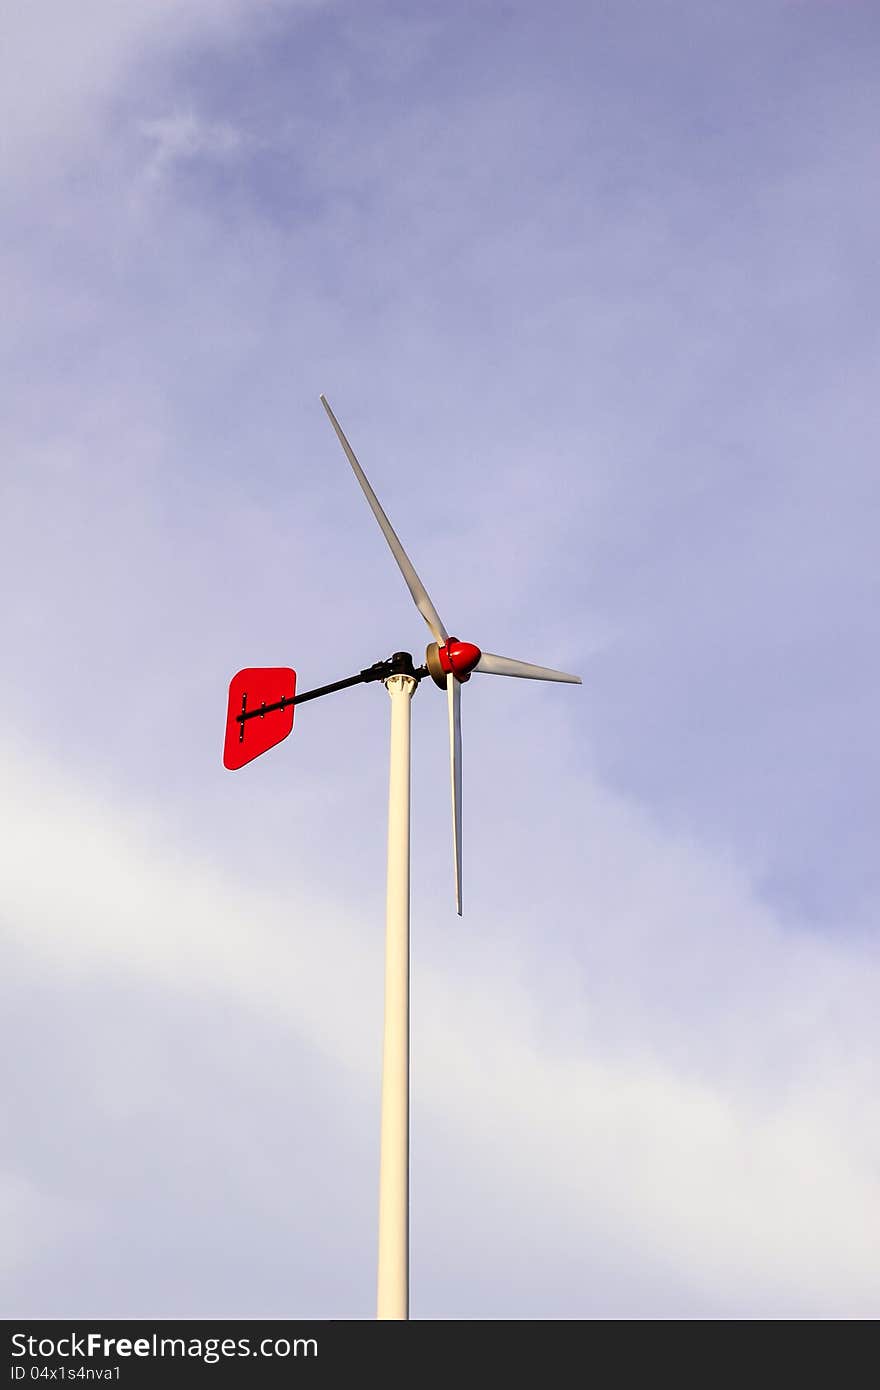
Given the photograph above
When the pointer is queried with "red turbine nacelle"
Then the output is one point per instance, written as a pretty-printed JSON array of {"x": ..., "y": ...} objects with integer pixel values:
[{"x": 458, "y": 657}]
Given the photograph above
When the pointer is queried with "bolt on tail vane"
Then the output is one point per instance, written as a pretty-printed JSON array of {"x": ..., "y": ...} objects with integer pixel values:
[{"x": 448, "y": 661}]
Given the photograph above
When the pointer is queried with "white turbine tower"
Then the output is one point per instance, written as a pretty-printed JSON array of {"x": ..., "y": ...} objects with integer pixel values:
[{"x": 450, "y": 663}]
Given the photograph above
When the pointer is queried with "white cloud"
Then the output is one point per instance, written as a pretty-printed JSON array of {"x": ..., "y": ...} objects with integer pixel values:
[
  {"x": 761, "y": 1193},
  {"x": 59, "y": 63},
  {"x": 184, "y": 136},
  {"x": 35, "y": 1221}
]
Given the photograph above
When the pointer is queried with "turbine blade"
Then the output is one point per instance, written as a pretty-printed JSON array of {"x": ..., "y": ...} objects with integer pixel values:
[
  {"x": 453, "y": 697},
  {"x": 415, "y": 585},
  {"x": 506, "y": 666}
]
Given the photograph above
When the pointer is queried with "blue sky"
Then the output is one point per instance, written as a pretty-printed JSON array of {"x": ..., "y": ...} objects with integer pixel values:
[{"x": 593, "y": 292}]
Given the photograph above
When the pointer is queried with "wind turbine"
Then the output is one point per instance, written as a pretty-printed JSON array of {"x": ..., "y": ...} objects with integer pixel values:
[{"x": 450, "y": 663}]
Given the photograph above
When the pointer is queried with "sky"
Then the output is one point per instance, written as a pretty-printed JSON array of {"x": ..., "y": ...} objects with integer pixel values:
[{"x": 592, "y": 290}]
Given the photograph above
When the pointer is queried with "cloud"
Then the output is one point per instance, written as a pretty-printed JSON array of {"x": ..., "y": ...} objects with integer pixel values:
[
  {"x": 61, "y": 65},
  {"x": 36, "y": 1221},
  {"x": 184, "y": 136},
  {"x": 752, "y": 1175}
]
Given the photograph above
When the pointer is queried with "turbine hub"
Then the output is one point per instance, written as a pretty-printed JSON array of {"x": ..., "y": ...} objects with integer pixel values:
[{"x": 458, "y": 657}]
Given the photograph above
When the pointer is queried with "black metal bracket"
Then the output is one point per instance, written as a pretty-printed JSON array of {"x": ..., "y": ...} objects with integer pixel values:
[{"x": 400, "y": 664}]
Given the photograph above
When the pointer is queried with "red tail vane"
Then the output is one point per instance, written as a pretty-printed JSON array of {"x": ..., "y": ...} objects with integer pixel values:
[{"x": 260, "y": 712}]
